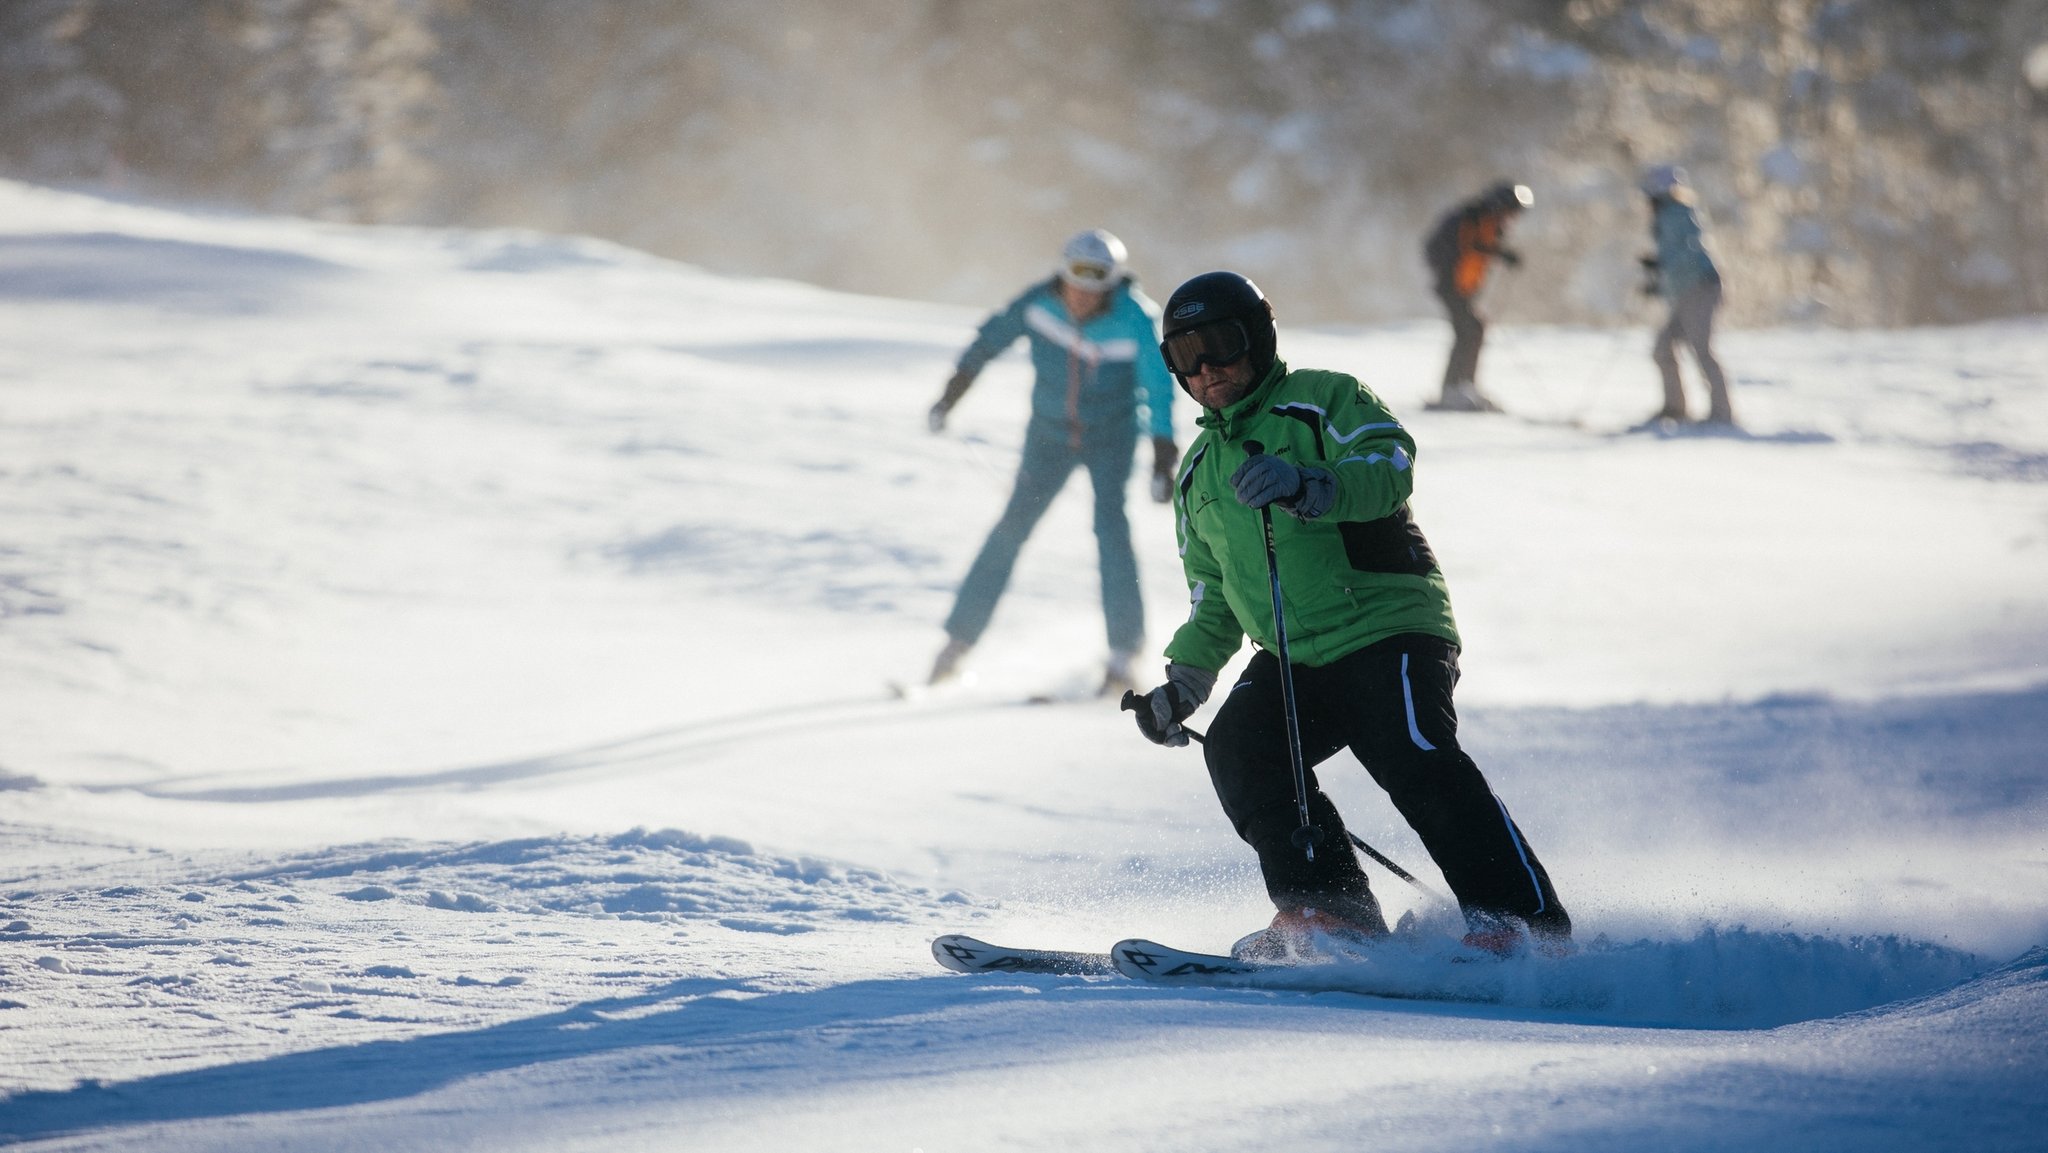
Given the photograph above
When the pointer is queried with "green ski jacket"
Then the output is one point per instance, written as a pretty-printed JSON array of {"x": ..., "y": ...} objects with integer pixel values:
[{"x": 1358, "y": 574}]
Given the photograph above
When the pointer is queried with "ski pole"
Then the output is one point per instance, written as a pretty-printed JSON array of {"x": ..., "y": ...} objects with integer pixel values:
[
  {"x": 1397, "y": 870},
  {"x": 1132, "y": 702},
  {"x": 1307, "y": 835}
]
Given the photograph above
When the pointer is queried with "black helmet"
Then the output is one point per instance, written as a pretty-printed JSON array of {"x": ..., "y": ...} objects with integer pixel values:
[
  {"x": 1507, "y": 196},
  {"x": 1226, "y": 316}
]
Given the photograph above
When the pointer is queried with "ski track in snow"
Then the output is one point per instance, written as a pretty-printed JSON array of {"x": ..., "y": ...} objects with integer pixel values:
[{"x": 376, "y": 606}]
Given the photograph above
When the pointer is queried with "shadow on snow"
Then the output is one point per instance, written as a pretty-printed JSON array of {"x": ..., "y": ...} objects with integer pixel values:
[
  {"x": 108, "y": 268},
  {"x": 691, "y": 1026}
]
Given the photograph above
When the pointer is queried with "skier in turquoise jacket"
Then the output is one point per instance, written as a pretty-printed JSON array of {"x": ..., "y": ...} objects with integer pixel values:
[
  {"x": 1684, "y": 275},
  {"x": 1094, "y": 345},
  {"x": 1369, "y": 632}
]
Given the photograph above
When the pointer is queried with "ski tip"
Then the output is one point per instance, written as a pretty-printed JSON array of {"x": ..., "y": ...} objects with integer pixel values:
[
  {"x": 1152, "y": 961},
  {"x": 964, "y": 954},
  {"x": 959, "y": 952},
  {"x": 917, "y": 692}
]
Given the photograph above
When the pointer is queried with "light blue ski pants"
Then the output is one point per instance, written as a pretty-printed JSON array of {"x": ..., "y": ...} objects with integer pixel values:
[{"x": 1050, "y": 456}]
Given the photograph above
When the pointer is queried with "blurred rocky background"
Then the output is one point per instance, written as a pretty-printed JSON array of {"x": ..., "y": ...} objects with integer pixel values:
[{"x": 1860, "y": 161}]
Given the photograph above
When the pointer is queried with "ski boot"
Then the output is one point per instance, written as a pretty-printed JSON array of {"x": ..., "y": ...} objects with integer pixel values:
[
  {"x": 1464, "y": 396},
  {"x": 948, "y": 663},
  {"x": 1305, "y": 936},
  {"x": 1505, "y": 937}
]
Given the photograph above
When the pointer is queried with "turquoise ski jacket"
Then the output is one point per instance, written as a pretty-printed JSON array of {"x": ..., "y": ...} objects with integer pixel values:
[
  {"x": 1092, "y": 377},
  {"x": 1682, "y": 260}
]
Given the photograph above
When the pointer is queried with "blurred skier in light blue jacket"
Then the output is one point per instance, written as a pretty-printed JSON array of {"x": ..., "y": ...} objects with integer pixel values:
[
  {"x": 1095, "y": 347},
  {"x": 1685, "y": 276}
]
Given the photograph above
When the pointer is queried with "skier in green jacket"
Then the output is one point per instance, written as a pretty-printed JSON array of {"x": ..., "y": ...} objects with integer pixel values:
[{"x": 1369, "y": 632}]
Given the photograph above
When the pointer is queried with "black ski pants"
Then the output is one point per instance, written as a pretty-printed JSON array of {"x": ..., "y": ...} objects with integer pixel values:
[{"x": 1390, "y": 704}]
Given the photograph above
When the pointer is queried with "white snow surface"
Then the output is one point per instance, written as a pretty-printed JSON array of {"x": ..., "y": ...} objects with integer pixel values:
[{"x": 445, "y": 706}]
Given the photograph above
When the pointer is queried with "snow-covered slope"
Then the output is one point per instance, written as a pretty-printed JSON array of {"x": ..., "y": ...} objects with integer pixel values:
[{"x": 445, "y": 704}]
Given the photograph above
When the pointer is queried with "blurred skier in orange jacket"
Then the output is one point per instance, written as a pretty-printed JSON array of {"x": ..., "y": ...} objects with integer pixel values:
[{"x": 1460, "y": 251}]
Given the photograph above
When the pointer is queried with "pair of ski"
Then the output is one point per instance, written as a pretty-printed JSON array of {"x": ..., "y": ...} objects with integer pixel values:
[
  {"x": 1138, "y": 959},
  {"x": 1458, "y": 979}
]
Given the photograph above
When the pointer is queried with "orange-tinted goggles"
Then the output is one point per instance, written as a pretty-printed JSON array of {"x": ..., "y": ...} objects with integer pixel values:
[{"x": 1222, "y": 343}]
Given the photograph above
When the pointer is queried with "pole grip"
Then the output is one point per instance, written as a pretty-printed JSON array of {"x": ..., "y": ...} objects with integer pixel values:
[{"x": 1133, "y": 701}]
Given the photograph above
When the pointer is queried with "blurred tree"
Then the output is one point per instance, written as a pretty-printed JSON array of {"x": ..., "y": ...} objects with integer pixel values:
[
  {"x": 345, "y": 102},
  {"x": 57, "y": 120},
  {"x": 1868, "y": 161}
]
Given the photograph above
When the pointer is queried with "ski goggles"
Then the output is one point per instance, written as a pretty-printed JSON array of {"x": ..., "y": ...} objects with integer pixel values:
[
  {"x": 1221, "y": 343},
  {"x": 1084, "y": 272}
]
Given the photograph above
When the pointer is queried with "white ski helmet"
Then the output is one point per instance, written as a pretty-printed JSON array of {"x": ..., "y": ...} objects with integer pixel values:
[
  {"x": 1660, "y": 179},
  {"x": 1507, "y": 196},
  {"x": 1093, "y": 261}
]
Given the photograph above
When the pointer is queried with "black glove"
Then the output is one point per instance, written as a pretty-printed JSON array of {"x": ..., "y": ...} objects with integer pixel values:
[
  {"x": 1161, "y": 711},
  {"x": 1164, "y": 456},
  {"x": 956, "y": 387},
  {"x": 1318, "y": 493},
  {"x": 1266, "y": 479}
]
